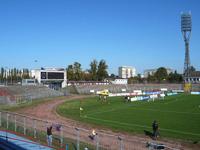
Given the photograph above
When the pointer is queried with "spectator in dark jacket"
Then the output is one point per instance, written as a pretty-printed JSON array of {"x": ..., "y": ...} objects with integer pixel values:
[
  {"x": 155, "y": 129},
  {"x": 49, "y": 136}
]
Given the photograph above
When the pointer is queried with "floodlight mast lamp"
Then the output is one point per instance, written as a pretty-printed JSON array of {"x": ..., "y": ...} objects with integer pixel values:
[{"x": 186, "y": 28}]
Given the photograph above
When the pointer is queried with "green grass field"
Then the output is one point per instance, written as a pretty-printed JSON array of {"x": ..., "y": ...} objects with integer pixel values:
[{"x": 178, "y": 116}]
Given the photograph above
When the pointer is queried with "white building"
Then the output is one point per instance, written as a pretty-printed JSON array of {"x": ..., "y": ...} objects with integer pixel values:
[
  {"x": 52, "y": 77},
  {"x": 29, "y": 82},
  {"x": 120, "y": 81},
  {"x": 127, "y": 72}
]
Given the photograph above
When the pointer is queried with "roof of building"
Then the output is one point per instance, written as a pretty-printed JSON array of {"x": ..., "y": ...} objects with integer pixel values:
[
  {"x": 49, "y": 69},
  {"x": 127, "y": 67}
]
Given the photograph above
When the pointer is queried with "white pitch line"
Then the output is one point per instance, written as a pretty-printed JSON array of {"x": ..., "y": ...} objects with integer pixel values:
[{"x": 142, "y": 126}]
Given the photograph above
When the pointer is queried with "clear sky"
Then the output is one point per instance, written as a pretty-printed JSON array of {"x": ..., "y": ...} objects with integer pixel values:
[{"x": 141, "y": 33}]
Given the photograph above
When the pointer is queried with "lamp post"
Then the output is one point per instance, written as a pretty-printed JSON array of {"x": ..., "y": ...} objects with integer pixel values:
[
  {"x": 186, "y": 28},
  {"x": 33, "y": 71}
]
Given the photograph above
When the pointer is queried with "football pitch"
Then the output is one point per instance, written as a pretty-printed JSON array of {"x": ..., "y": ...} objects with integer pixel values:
[{"x": 178, "y": 116}]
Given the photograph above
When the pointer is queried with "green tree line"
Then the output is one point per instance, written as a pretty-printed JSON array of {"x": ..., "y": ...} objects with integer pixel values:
[
  {"x": 96, "y": 72},
  {"x": 160, "y": 76},
  {"x": 13, "y": 76}
]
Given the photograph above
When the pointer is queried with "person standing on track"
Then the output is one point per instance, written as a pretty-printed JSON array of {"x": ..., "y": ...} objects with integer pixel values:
[{"x": 155, "y": 129}]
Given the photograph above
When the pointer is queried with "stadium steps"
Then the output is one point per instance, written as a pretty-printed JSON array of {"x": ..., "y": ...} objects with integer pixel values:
[
  {"x": 85, "y": 89},
  {"x": 26, "y": 92},
  {"x": 72, "y": 89},
  {"x": 10, "y": 141}
]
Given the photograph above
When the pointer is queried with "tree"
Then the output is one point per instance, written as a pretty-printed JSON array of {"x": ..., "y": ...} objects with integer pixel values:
[
  {"x": 171, "y": 77},
  {"x": 77, "y": 71},
  {"x": 14, "y": 75},
  {"x": 18, "y": 75},
  {"x": 175, "y": 77},
  {"x": 133, "y": 80},
  {"x": 136, "y": 79},
  {"x": 70, "y": 72},
  {"x": 161, "y": 74},
  {"x": 86, "y": 76},
  {"x": 2, "y": 75},
  {"x": 113, "y": 76},
  {"x": 140, "y": 79},
  {"x": 93, "y": 70},
  {"x": 25, "y": 74},
  {"x": 151, "y": 78},
  {"x": 102, "y": 70}
]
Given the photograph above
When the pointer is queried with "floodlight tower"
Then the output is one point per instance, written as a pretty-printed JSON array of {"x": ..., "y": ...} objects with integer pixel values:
[{"x": 186, "y": 28}]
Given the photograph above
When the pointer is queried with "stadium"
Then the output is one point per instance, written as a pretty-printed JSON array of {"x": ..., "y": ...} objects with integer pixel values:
[{"x": 122, "y": 121}]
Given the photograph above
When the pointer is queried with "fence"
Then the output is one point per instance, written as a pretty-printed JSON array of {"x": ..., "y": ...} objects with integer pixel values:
[
  {"x": 73, "y": 137},
  {"x": 15, "y": 99}
]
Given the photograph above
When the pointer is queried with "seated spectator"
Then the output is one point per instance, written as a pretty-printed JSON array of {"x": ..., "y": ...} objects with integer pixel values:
[{"x": 92, "y": 136}]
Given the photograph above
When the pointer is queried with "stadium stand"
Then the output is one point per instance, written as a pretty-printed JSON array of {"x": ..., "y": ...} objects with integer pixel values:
[
  {"x": 10, "y": 94},
  {"x": 196, "y": 87},
  {"x": 9, "y": 141},
  {"x": 86, "y": 89},
  {"x": 70, "y": 89}
]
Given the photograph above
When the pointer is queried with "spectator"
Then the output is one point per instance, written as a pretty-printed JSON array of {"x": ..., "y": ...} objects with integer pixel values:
[
  {"x": 49, "y": 136},
  {"x": 57, "y": 127},
  {"x": 155, "y": 129},
  {"x": 92, "y": 136}
]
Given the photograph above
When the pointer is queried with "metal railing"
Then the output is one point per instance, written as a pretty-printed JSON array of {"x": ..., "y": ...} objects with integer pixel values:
[
  {"x": 68, "y": 136},
  {"x": 16, "y": 99}
]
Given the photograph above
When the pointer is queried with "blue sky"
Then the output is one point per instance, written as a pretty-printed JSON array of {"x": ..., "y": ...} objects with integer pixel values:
[{"x": 141, "y": 33}]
